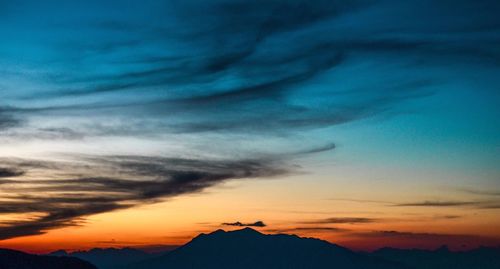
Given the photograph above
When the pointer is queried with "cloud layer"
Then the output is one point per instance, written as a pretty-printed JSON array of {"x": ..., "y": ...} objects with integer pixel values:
[{"x": 113, "y": 182}]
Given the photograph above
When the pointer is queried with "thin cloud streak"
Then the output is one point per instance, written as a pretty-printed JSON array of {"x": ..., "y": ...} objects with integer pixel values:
[
  {"x": 439, "y": 203},
  {"x": 343, "y": 220},
  {"x": 484, "y": 204}
]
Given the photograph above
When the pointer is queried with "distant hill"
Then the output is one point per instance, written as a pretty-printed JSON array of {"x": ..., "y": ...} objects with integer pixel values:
[
  {"x": 248, "y": 248},
  {"x": 11, "y": 259},
  {"x": 442, "y": 258},
  {"x": 109, "y": 258}
]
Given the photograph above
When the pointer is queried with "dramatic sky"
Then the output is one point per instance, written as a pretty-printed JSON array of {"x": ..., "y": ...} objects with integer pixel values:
[{"x": 142, "y": 123}]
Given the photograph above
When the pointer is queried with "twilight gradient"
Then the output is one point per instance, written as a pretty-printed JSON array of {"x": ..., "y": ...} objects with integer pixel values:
[{"x": 135, "y": 123}]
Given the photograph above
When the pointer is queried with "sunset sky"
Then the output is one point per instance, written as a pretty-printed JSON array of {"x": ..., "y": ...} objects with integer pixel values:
[{"x": 144, "y": 123}]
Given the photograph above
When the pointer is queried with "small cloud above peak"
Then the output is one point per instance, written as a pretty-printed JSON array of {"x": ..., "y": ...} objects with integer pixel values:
[{"x": 240, "y": 224}]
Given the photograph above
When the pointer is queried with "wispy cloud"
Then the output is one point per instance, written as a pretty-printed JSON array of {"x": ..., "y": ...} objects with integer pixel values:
[
  {"x": 478, "y": 204},
  {"x": 114, "y": 182},
  {"x": 482, "y": 192},
  {"x": 226, "y": 79},
  {"x": 7, "y": 120},
  {"x": 342, "y": 220},
  {"x": 309, "y": 229},
  {"x": 439, "y": 203},
  {"x": 482, "y": 204}
]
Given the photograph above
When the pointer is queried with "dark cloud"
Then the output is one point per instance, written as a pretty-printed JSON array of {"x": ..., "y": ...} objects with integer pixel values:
[
  {"x": 240, "y": 224},
  {"x": 310, "y": 229},
  {"x": 342, "y": 220},
  {"x": 7, "y": 120},
  {"x": 448, "y": 217},
  {"x": 253, "y": 67},
  {"x": 490, "y": 205},
  {"x": 479, "y": 204},
  {"x": 59, "y": 133},
  {"x": 108, "y": 183},
  {"x": 439, "y": 203},
  {"x": 234, "y": 38},
  {"x": 9, "y": 172},
  {"x": 482, "y": 192},
  {"x": 57, "y": 217},
  {"x": 319, "y": 229},
  {"x": 327, "y": 147},
  {"x": 483, "y": 204},
  {"x": 361, "y": 201},
  {"x": 242, "y": 67}
]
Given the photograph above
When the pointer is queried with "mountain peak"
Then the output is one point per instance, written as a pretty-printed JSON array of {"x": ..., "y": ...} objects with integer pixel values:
[
  {"x": 60, "y": 252},
  {"x": 443, "y": 248},
  {"x": 247, "y": 230},
  {"x": 240, "y": 232}
]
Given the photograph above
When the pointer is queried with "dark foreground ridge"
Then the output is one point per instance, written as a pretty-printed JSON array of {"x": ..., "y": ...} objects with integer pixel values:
[
  {"x": 442, "y": 258},
  {"x": 109, "y": 258},
  {"x": 11, "y": 259}
]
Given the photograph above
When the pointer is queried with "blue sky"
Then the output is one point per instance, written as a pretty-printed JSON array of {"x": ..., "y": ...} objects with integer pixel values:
[{"x": 201, "y": 92}]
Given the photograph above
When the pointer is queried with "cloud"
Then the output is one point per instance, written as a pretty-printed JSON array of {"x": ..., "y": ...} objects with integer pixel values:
[
  {"x": 343, "y": 220},
  {"x": 448, "y": 217},
  {"x": 478, "y": 204},
  {"x": 318, "y": 229},
  {"x": 327, "y": 147},
  {"x": 9, "y": 172},
  {"x": 483, "y": 204},
  {"x": 114, "y": 182},
  {"x": 308, "y": 229},
  {"x": 482, "y": 192},
  {"x": 439, "y": 203},
  {"x": 7, "y": 120},
  {"x": 243, "y": 67},
  {"x": 239, "y": 224}
]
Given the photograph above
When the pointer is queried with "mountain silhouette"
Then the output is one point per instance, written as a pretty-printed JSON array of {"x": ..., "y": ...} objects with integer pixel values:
[
  {"x": 109, "y": 258},
  {"x": 442, "y": 258},
  {"x": 12, "y": 259},
  {"x": 248, "y": 248}
]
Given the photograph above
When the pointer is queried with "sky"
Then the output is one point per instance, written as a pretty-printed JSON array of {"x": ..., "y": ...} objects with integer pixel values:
[{"x": 143, "y": 123}]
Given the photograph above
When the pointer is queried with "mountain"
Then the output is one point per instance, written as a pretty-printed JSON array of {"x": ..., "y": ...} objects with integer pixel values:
[
  {"x": 442, "y": 258},
  {"x": 108, "y": 258},
  {"x": 11, "y": 259},
  {"x": 248, "y": 248}
]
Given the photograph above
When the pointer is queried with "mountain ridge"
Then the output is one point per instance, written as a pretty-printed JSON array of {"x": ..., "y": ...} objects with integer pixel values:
[
  {"x": 108, "y": 258},
  {"x": 248, "y": 248}
]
